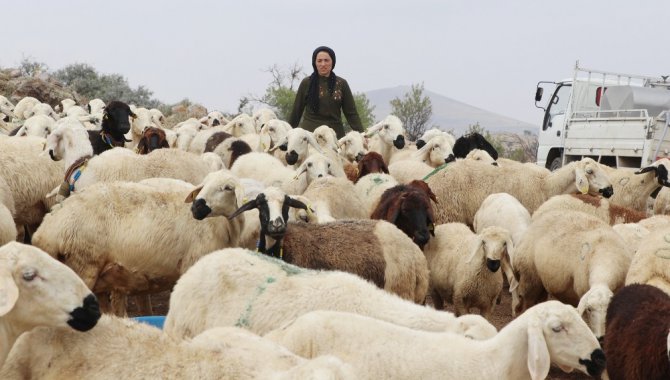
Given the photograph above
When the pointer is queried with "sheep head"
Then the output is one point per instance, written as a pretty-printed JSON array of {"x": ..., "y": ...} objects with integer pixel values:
[
  {"x": 493, "y": 243},
  {"x": 298, "y": 141},
  {"x": 591, "y": 178},
  {"x": 219, "y": 195},
  {"x": 116, "y": 120},
  {"x": 390, "y": 130},
  {"x": 352, "y": 146},
  {"x": 592, "y": 308}
]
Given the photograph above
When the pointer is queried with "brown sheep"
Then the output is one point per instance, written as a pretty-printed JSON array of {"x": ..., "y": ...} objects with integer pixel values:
[
  {"x": 152, "y": 138},
  {"x": 372, "y": 162}
]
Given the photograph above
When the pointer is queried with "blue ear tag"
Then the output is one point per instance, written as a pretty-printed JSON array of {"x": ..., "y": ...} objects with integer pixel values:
[{"x": 75, "y": 177}]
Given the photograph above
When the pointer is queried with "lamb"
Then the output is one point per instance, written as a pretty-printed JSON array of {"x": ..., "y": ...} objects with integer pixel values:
[
  {"x": 633, "y": 189},
  {"x": 575, "y": 257},
  {"x": 462, "y": 186},
  {"x": 549, "y": 333},
  {"x": 375, "y": 250},
  {"x": 39, "y": 291},
  {"x": 636, "y": 343},
  {"x": 505, "y": 211},
  {"x": 223, "y": 353},
  {"x": 236, "y": 287},
  {"x": 389, "y": 134},
  {"x": 464, "y": 266},
  {"x": 474, "y": 140},
  {"x": 602, "y": 208},
  {"x": 650, "y": 264},
  {"x": 408, "y": 207},
  {"x": 81, "y": 232}
]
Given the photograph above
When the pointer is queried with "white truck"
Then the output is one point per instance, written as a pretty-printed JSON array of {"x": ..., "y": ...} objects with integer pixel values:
[{"x": 619, "y": 120}]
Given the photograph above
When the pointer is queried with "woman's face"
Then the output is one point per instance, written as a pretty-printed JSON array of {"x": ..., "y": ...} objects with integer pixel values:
[{"x": 324, "y": 64}]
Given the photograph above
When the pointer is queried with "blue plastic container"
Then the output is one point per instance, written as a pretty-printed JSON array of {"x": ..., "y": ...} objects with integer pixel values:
[{"x": 153, "y": 320}]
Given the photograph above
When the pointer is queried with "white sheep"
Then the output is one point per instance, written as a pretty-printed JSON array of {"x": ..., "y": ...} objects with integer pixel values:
[
  {"x": 242, "y": 124},
  {"x": 632, "y": 234},
  {"x": 462, "y": 186},
  {"x": 505, "y": 211},
  {"x": 214, "y": 118},
  {"x": 261, "y": 116},
  {"x": 64, "y": 105},
  {"x": 43, "y": 109},
  {"x": 236, "y": 287},
  {"x": 300, "y": 144},
  {"x": 389, "y": 137},
  {"x": 632, "y": 189},
  {"x": 91, "y": 232},
  {"x": 7, "y": 211},
  {"x": 481, "y": 155},
  {"x": 157, "y": 118},
  {"x": 326, "y": 137},
  {"x": 331, "y": 198},
  {"x": 406, "y": 171},
  {"x": 50, "y": 354},
  {"x": 549, "y": 333},
  {"x": 38, "y": 125},
  {"x": 574, "y": 256},
  {"x": 184, "y": 135},
  {"x": 651, "y": 263},
  {"x": 272, "y": 132},
  {"x": 95, "y": 106},
  {"x": 604, "y": 209},
  {"x": 352, "y": 147},
  {"x": 24, "y": 107},
  {"x": 429, "y": 134},
  {"x": 370, "y": 188},
  {"x": 464, "y": 266},
  {"x": 37, "y": 290}
]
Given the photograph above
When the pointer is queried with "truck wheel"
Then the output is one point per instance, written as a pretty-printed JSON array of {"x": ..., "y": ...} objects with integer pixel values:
[{"x": 555, "y": 164}]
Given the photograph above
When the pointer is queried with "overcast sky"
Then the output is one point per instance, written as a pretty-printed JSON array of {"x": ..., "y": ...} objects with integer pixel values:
[{"x": 489, "y": 54}]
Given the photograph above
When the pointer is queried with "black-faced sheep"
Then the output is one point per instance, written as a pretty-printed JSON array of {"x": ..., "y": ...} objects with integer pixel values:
[
  {"x": 115, "y": 124},
  {"x": 466, "y": 143},
  {"x": 636, "y": 343}
]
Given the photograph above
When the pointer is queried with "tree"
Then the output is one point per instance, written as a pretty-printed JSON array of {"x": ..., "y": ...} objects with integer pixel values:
[
  {"x": 365, "y": 111},
  {"x": 280, "y": 93},
  {"x": 414, "y": 110}
]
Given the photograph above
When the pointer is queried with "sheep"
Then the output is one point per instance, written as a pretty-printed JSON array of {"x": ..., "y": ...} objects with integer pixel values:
[
  {"x": 43, "y": 109},
  {"x": 437, "y": 151},
  {"x": 505, "y": 211},
  {"x": 352, "y": 147},
  {"x": 474, "y": 140},
  {"x": 115, "y": 124},
  {"x": 236, "y": 287},
  {"x": 464, "y": 266},
  {"x": 213, "y": 161},
  {"x": 275, "y": 130},
  {"x": 636, "y": 344},
  {"x": 140, "y": 122},
  {"x": 574, "y": 256},
  {"x": 6, "y": 107},
  {"x": 69, "y": 143},
  {"x": 408, "y": 207},
  {"x": 429, "y": 134},
  {"x": 326, "y": 137},
  {"x": 39, "y": 291},
  {"x": 38, "y": 125},
  {"x": 549, "y": 333},
  {"x": 95, "y": 106},
  {"x": 650, "y": 264},
  {"x": 184, "y": 135},
  {"x": 29, "y": 177},
  {"x": 152, "y": 138},
  {"x": 371, "y": 187},
  {"x": 230, "y": 150},
  {"x": 120, "y": 348},
  {"x": 599, "y": 207},
  {"x": 481, "y": 155},
  {"x": 406, "y": 171},
  {"x": 389, "y": 133},
  {"x": 632, "y": 189},
  {"x": 157, "y": 118},
  {"x": 89, "y": 232},
  {"x": 261, "y": 116},
  {"x": 240, "y": 125},
  {"x": 632, "y": 234},
  {"x": 214, "y": 118},
  {"x": 296, "y": 145},
  {"x": 374, "y": 250},
  {"x": 462, "y": 186},
  {"x": 64, "y": 105},
  {"x": 24, "y": 107},
  {"x": 215, "y": 139},
  {"x": 325, "y": 198},
  {"x": 371, "y": 162}
]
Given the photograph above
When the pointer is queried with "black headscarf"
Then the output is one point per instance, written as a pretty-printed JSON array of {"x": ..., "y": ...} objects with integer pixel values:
[{"x": 313, "y": 92}]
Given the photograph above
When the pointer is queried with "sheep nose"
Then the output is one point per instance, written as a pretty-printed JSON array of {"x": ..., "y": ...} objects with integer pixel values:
[
  {"x": 449, "y": 159},
  {"x": 359, "y": 156},
  {"x": 420, "y": 143},
  {"x": 596, "y": 364},
  {"x": 399, "y": 142},
  {"x": 85, "y": 317},
  {"x": 276, "y": 227},
  {"x": 493, "y": 265},
  {"x": 199, "y": 209},
  {"x": 216, "y": 122},
  {"x": 284, "y": 147},
  {"x": 607, "y": 192},
  {"x": 52, "y": 155},
  {"x": 5, "y": 119},
  {"x": 291, "y": 157},
  {"x": 320, "y": 175},
  {"x": 421, "y": 238},
  {"x": 494, "y": 163}
]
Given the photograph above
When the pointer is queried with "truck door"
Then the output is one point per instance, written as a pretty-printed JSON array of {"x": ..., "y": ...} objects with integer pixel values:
[{"x": 550, "y": 140}]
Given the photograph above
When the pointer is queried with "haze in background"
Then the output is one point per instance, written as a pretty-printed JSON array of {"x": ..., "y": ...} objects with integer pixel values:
[{"x": 489, "y": 54}]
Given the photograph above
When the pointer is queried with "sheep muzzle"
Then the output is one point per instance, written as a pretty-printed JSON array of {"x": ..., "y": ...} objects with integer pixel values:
[
  {"x": 85, "y": 317},
  {"x": 276, "y": 228},
  {"x": 399, "y": 142},
  {"x": 291, "y": 157},
  {"x": 596, "y": 364},
  {"x": 199, "y": 209},
  {"x": 5, "y": 119},
  {"x": 420, "y": 143},
  {"x": 607, "y": 192},
  {"x": 493, "y": 265},
  {"x": 450, "y": 158}
]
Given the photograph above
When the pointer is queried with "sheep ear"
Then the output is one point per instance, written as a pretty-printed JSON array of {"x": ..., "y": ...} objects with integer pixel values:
[
  {"x": 281, "y": 142},
  {"x": 581, "y": 181},
  {"x": 645, "y": 170},
  {"x": 22, "y": 131},
  {"x": 252, "y": 204},
  {"x": 191, "y": 196},
  {"x": 295, "y": 203},
  {"x": 581, "y": 306},
  {"x": 476, "y": 249},
  {"x": 374, "y": 129},
  {"x": 9, "y": 293},
  {"x": 538, "y": 354},
  {"x": 312, "y": 141}
]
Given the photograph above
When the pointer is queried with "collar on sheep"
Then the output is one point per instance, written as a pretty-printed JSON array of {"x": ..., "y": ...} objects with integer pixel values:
[
  {"x": 437, "y": 169},
  {"x": 109, "y": 140},
  {"x": 72, "y": 175}
]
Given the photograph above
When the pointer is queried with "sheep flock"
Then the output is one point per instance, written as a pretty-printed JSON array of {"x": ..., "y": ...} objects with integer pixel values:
[{"x": 290, "y": 254}]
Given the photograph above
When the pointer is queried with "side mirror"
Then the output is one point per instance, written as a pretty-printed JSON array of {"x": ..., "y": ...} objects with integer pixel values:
[{"x": 538, "y": 94}]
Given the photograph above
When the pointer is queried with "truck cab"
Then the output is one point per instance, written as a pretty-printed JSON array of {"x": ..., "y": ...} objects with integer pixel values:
[{"x": 619, "y": 120}]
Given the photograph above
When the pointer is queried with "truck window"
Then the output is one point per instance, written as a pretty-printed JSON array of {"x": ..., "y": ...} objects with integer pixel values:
[{"x": 557, "y": 105}]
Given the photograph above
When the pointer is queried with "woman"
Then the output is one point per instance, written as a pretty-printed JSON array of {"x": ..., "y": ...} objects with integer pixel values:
[{"x": 323, "y": 96}]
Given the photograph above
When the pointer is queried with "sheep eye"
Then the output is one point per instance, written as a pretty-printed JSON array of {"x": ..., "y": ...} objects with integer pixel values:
[
  {"x": 228, "y": 188},
  {"x": 557, "y": 329},
  {"x": 309, "y": 165},
  {"x": 271, "y": 129},
  {"x": 386, "y": 127},
  {"x": 304, "y": 139},
  {"x": 589, "y": 171},
  {"x": 304, "y": 218},
  {"x": 29, "y": 275}
]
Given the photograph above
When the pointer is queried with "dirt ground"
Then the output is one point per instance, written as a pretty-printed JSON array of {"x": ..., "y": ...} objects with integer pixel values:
[{"x": 501, "y": 316}]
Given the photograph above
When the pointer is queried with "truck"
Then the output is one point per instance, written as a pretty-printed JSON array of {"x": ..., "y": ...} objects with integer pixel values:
[{"x": 619, "y": 120}]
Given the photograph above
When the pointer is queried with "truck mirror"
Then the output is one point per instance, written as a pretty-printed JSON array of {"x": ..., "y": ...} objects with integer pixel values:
[{"x": 538, "y": 94}]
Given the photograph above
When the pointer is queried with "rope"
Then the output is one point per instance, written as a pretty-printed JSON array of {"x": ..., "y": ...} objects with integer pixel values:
[{"x": 437, "y": 169}]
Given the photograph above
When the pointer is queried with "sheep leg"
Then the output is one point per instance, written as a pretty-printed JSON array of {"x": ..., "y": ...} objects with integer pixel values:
[
  {"x": 143, "y": 303},
  {"x": 438, "y": 303},
  {"x": 459, "y": 305},
  {"x": 118, "y": 303}
]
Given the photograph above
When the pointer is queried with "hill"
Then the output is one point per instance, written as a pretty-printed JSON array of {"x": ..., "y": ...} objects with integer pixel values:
[{"x": 451, "y": 114}]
